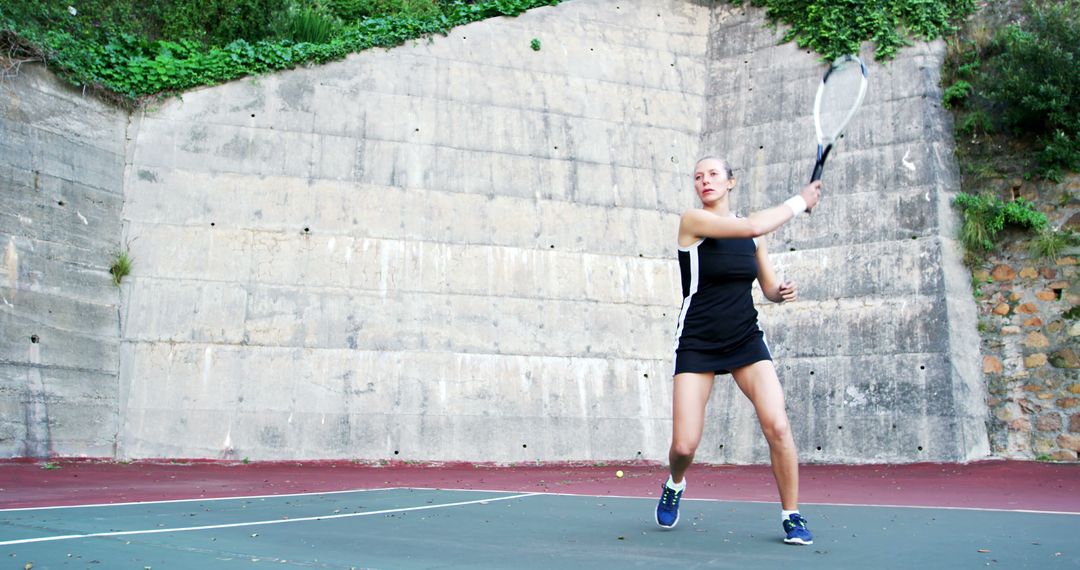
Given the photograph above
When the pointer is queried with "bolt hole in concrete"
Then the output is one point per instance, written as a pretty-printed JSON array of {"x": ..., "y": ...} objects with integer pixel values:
[
  {"x": 819, "y": 448},
  {"x": 523, "y": 446},
  {"x": 552, "y": 246},
  {"x": 839, "y": 427},
  {"x": 34, "y": 338},
  {"x": 306, "y": 230},
  {"x": 921, "y": 367},
  {"x": 253, "y": 115},
  {"x": 395, "y": 452},
  {"x": 646, "y": 375},
  {"x": 60, "y": 203},
  {"x": 212, "y": 224},
  {"x": 811, "y": 372},
  {"x": 920, "y": 448}
]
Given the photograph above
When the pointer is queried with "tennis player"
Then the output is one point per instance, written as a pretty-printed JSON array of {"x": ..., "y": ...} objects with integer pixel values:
[{"x": 720, "y": 255}]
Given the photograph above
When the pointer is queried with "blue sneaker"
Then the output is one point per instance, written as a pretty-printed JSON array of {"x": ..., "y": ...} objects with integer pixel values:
[
  {"x": 667, "y": 512},
  {"x": 796, "y": 530}
]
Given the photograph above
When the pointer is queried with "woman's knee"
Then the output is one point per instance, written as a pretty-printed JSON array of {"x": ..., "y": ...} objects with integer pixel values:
[
  {"x": 776, "y": 430},
  {"x": 682, "y": 448}
]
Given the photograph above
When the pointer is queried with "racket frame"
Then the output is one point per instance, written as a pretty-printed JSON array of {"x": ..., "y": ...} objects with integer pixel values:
[{"x": 825, "y": 141}]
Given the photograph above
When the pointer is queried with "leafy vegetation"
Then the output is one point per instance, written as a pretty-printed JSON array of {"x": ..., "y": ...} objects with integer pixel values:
[
  {"x": 1024, "y": 77},
  {"x": 134, "y": 49},
  {"x": 956, "y": 93},
  {"x": 986, "y": 215},
  {"x": 836, "y": 28}
]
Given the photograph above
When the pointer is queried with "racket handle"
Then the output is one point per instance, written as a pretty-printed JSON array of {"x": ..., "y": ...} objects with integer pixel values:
[{"x": 819, "y": 165}]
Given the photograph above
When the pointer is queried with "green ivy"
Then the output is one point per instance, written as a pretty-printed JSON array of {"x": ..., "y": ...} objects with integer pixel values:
[
  {"x": 834, "y": 28},
  {"x": 354, "y": 10},
  {"x": 122, "y": 59}
]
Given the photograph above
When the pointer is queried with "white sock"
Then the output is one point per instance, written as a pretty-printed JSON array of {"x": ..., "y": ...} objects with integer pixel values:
[
  {"x": 785, "y": 515},
  {"x": 676, "y": 486}
]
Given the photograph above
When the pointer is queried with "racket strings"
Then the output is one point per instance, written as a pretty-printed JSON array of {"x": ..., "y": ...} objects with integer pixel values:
[{"x": 840, "y": 95}]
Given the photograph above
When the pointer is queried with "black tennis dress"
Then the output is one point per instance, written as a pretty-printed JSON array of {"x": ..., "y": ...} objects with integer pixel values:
[{"x": 718, "y": 325}]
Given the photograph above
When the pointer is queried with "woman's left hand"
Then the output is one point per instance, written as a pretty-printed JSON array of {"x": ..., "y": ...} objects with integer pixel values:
[{"x": 787, "y": 291}]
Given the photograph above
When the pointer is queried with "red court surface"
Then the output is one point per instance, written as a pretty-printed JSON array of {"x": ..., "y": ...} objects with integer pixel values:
[{"x": 1009, "y": 485}]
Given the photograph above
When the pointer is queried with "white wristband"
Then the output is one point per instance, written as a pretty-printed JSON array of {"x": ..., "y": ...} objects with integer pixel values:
[{"x": 797, "y": 205}]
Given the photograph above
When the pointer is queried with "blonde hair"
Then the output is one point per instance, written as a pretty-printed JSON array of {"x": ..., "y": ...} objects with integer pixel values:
[{"x": 724, "y": 164}]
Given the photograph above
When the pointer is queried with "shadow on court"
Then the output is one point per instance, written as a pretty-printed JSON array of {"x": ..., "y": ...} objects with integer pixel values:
[{"x": 426, "y": 528}]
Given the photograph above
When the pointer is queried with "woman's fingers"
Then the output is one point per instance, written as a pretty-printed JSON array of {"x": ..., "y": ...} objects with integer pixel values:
[{"x": 788, "y": 291}]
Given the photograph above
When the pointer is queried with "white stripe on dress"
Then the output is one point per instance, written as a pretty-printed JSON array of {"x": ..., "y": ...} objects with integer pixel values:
[{"x": 694, "y": 273}]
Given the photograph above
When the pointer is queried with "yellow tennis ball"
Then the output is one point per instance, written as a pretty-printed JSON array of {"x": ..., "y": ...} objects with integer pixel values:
[{"x": 618, "y": 473}]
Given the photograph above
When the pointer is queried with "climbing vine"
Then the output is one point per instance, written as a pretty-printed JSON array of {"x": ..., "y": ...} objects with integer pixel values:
[
  {"x": 102, "y": 49},
  {"x": 834, "y": 28}
]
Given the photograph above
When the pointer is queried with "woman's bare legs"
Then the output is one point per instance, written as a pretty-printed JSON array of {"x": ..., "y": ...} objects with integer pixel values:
[
  {"x": 690, "y": 394},
  {"x": 758, "y": 382}
]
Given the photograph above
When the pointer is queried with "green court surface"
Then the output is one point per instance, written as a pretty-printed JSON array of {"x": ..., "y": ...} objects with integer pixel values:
[{"x": 426, "y": 528}]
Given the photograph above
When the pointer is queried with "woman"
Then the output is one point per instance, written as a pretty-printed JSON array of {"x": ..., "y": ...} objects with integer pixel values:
[{"x": 719, "y": 257}]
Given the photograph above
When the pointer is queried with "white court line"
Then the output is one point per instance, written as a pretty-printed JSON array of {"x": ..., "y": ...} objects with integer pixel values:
[
  {"x": 874, "y": 506},
  {"x": 231, "y": 498},
  {"x": 258, "y": 523}
]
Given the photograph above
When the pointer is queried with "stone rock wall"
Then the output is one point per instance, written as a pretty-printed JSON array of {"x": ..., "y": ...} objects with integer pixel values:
[{"x": 1030, "y": 347}]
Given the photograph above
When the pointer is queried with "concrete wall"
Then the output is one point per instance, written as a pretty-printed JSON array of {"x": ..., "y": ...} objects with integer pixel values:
[
  {"x": 879, "y": 357},
  {"x": 61, "y": 191},
  {"x": 459, "y": 249},
  {"x": 463, "y": 249}
]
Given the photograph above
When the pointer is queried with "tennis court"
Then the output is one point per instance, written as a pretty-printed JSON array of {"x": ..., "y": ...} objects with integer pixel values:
[{"x": 576, "y": 516}]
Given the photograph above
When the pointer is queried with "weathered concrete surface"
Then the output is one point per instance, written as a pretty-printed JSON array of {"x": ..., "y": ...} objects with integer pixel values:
[
  {"x": 463, "y": 249},
  {"x": 456, "y": 249},
  {"x": 61, "y": 191},
  {"x": 879, "y": 357}
]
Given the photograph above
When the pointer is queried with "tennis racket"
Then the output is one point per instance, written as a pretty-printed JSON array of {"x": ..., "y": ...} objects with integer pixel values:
[{"x": 838, "y": 97}]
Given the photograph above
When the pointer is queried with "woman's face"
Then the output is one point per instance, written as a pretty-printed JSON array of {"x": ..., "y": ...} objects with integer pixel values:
[{"x": 711, "y": 182}]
